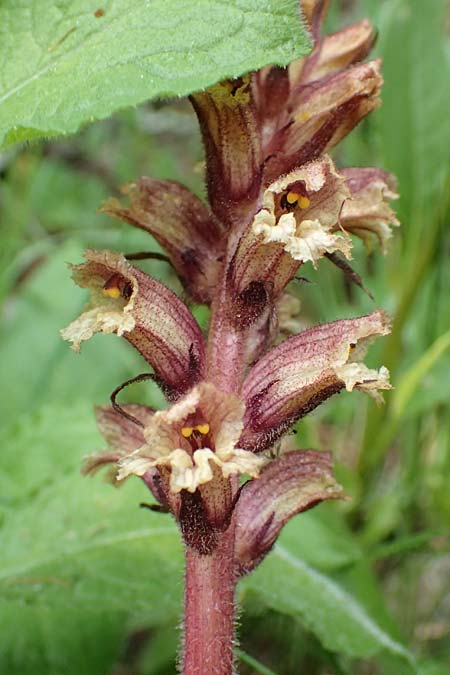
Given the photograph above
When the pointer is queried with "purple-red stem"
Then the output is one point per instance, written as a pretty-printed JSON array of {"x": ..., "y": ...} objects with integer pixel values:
[{"x": 209, "y": 609}]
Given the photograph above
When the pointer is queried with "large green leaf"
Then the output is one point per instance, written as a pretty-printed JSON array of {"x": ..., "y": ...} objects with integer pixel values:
[
  {"x": 80, "y": 561},
  {"x": 64, "y": 63},
  {"x": 341, "y": 621}
]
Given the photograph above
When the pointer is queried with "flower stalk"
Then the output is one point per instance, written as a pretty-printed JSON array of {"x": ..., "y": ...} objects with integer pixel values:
[
  {"x": 209, "y": 617},
  {"x": 218, "y": 457}
]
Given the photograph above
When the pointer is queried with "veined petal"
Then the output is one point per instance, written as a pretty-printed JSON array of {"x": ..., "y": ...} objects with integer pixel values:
[
  {"x": 167, "y": 441},
  {"x": 283, "y": 235},
  {"x": 333, "y": 53},
  {"x": 126, "y": 301},
  {"x": 288, "y": 485},
  {"x": 189, "y": 472},
  {"x": 122, "y": 435},
  {"x": 367, "y": 213},
  {"x": 120, "y": 432},
  {"x": 181, "y": 223},
  {"x": 305, "y": 370},
  {"x": 231, "y": 135},
  {"x": 325, "y": 111}
]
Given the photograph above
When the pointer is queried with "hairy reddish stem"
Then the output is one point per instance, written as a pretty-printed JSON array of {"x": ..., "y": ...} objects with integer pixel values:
[
  {"x": 225, "y": 348},
  {"x": 210, "y": 579},
  {"x": 209, "y": 610}
]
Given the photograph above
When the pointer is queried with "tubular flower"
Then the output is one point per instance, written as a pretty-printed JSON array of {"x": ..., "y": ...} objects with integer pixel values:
[
  {"x": 367, "y": 213},
  {"x": 216, "y": 457},
  {"x": 126, "y": 301},
  {"x": 305, "y": 370},
  {"x": 181, "y": 223},
  {"x": 187, "y": 440},
  {"x": 308, "y": 202}
]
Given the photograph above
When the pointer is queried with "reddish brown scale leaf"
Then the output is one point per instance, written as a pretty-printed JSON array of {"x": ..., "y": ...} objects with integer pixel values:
[
  {"x": 294, "y": 482},
  {"x": 181, "y": 223}
]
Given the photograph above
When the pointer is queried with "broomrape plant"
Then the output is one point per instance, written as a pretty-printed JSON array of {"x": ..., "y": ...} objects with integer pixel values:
[{"x": 217, "y": 458}]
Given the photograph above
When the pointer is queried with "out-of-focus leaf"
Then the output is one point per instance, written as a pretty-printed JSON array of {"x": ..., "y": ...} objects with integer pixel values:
[
  {"x": 286, "y": 583},
  {"x": 37, "y": 364},
  {"x": 411, "y": 380},
  {"x": 416, "y": 72},
  {"x": 68, "y": 62},
  {"x": 323, "y": 539},
  {"x": 80, "y": 560}
]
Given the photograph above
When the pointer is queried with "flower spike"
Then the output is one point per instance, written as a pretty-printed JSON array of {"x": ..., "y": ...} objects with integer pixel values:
[{"x": 216, "y": 458}]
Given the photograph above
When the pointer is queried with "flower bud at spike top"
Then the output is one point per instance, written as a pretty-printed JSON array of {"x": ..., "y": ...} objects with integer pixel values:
[{"x": 216, "y": 457}]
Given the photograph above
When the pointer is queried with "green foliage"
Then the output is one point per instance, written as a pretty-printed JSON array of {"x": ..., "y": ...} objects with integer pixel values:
[
  {"x": 325, "y": 582},
  {"x": 67, "y": 63},
  {"x": 80, "y": 561}
]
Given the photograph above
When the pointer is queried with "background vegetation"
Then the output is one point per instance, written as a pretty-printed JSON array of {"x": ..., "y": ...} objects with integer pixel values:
[{"x": 90, "y": 582}]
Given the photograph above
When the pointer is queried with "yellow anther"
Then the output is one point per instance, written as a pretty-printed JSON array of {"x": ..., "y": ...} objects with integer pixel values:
[
  {"x": 302, "y": 117},
  {"x": 304, "y": 202},
  {"x": 292, "y": 198},
  {"x": 186, "y": 432},
  {"x": 202, "y": 428},
  {"x": 112, "y": 292}
]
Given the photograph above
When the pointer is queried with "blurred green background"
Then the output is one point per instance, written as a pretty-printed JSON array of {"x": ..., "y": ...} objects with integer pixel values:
[{"x": 90, "y": 582}]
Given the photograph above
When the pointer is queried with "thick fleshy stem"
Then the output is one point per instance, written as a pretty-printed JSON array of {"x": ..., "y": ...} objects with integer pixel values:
[{"x": 209, "y": 609}]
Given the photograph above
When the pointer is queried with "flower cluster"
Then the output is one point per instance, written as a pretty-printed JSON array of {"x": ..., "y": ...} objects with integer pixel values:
[{"x": 276, "y": 201}]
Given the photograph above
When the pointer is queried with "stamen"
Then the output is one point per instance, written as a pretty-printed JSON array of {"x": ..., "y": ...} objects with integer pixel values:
[
  {"x": 292, "y": 198},
  {"x": 112, "y": 292},
  {"x": 295, "y": 198},
  {"x": 202, "y": 429},
  {"x": 116, "y": 287},
  {"x": 304, "y": 202}
]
